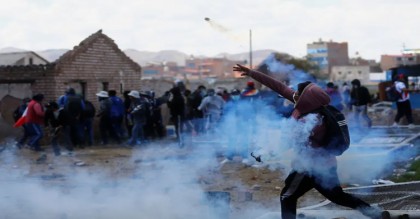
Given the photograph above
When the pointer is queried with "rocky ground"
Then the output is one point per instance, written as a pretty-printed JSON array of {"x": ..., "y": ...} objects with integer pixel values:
[{"x": 248, "y": 184}]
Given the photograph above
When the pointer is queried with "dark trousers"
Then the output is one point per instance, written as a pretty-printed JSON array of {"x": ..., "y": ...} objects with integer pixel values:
[
  {"x": 55, "y": 141},
  {"x": 104, "y": 128},
  {"x": 117, "y": 130},
  {"x": 404, "y": 109},
  {"x": 178, "y": 121},
  {"x": 87, "y": 131},
  {"x": 297, "y": 184}
]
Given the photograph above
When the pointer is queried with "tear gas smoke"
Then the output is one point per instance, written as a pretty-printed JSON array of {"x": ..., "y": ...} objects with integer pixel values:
[
  {"x": 166, "y": 185},
  {"x": 295, "y": 75}
]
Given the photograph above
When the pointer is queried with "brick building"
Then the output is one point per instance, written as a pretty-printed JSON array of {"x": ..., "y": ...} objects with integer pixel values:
[
  {"x": 328, "y": 54},
  {"x": 95, "y": 64},
  {"x": 393, "y": 61}
]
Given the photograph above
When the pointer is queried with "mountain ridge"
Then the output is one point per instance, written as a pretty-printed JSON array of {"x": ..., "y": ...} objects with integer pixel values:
[{"x": 144, "y": 58}]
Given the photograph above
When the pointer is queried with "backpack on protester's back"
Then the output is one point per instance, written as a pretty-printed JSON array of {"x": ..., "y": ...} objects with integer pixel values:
[
  {"x": 392, "y": 94},
  {"x": 18, "y": 112},
  {"x": 89, "y": 111},
  {"x": 74, "y": 106},
  {"x": 338, "y": 136},
  {"x": 117, "y": 107}
]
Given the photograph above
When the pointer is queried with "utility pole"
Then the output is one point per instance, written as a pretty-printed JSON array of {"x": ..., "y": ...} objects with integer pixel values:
[{"x": 250, "y": 49}]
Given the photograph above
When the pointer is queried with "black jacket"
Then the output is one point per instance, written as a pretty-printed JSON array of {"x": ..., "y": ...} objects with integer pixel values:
[
  {"x": 54, "y": 121},
  {"x": 360, "y": 96}
]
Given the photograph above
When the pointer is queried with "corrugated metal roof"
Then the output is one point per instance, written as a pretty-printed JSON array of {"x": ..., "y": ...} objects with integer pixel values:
[
  {"x": 12, "y": 58},
  {"x": 17, "y": 58}
]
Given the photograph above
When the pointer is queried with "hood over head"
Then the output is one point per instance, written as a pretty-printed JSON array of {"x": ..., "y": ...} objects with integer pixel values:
[
  {"x": 356, "y": 82},
  {"x": 311, "y": 98}
]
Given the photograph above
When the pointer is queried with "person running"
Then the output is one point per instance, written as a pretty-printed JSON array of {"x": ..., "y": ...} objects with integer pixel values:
[
  {"x": 176, "y": 107},
  {"x": 56, "y": 119},
  {"x": 321, "y": 171},
  {"x": 212, "y": 107},
  {"x": 35, "y": 121},
  {"x": 360, "y": 98},
  {"x": 403, "y": 102}
]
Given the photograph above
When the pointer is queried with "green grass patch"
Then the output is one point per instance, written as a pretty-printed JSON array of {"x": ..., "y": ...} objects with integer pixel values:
[{"x": 412, "y": 174}]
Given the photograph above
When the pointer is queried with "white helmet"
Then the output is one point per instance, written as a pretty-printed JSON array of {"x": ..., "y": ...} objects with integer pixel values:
[
  {"x": 134, "y": 94},
  {"x": 102, "y": 94}
]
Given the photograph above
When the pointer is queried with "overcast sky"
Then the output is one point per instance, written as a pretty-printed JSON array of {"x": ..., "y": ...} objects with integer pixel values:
[{"x": 371, "y": 27}]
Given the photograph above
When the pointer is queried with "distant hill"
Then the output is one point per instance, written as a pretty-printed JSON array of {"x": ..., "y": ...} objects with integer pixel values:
[
  {"x": 52, "y": 54},
  {"x": 11, "y": 49},
  {"x": 257, "y": 56},
  {"x": 146, "y": 57}
]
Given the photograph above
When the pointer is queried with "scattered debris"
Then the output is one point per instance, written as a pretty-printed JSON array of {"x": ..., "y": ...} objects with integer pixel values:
[
  {"x": 257, "y": 158},
  {"x": 382, "y": 181},
  {"x": 397, "y": 171},
  {"x": 256, "y": 187},
  {"x": 79, "y": 163},
  {"x": 41, "y": 159},
  {"x": 244, "y": 196},
  {"x": 52, "y": 176},
  {"x": 231, "y": 187}
]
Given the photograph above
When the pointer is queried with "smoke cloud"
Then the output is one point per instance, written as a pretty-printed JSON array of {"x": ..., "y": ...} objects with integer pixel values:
[
  {"x": 163, "y": 181},
  {"x": 295, "y": 75}
]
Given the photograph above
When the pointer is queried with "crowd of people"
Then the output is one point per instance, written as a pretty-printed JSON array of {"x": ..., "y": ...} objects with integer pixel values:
[
  {"x": 136, "y": 117},
  {"x": 132, "y": 120}
]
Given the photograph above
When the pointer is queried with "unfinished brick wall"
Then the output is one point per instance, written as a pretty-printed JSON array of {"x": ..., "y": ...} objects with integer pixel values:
[{"x": 99, "y": 62}]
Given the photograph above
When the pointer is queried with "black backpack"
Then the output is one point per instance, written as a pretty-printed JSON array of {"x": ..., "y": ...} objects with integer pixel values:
[
  {"x": 89, "y": 111},
  {"x": 392, "y": 94},
  {"x": 18, "y": 112},
  {"x": 337, "y": 136}
]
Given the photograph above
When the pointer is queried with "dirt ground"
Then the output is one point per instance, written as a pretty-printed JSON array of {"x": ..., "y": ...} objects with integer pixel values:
[{"x": 247, "y": 185}]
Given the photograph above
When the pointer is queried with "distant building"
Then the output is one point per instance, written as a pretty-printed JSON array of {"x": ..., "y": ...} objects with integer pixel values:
[
  {"x": 160, "y": 70},
  {"x": 95, "y": 64},
  {"x": 328, "y": 54},
  {"x": 209, "y": 67},
  {"x": 22, "y": 58},
  {"x": 393, "y": 61},
  {"x": 348, "y": 73}
]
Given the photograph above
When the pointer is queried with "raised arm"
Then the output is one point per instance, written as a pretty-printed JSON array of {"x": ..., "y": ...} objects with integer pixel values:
[{"x": 267, "y": 80}]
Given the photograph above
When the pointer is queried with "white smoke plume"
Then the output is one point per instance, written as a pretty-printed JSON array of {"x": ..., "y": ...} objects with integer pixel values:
[{"x": 295, "y": 75}]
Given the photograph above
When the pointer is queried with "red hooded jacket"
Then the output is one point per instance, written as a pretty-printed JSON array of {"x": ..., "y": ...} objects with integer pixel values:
[
  {"x": 311, "y": 98},
  {"x": 35, "y": 113}
]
